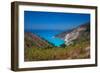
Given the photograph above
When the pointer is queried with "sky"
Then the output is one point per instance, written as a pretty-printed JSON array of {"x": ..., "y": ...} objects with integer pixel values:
[{"x": 36, "y": 20}]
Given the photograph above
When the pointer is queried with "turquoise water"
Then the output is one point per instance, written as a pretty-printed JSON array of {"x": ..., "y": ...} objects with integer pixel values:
[{"x": 49, "y": 35}]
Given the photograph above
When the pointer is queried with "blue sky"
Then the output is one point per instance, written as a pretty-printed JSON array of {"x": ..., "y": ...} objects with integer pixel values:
[{"x": 35, "y": 20}]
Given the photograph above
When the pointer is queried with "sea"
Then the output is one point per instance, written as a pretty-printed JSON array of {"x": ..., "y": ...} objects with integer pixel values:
[{"x": 49, "y": 35}]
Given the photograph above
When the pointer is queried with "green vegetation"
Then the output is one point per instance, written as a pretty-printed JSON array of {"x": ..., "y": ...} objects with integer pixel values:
[
  {"x": 73, "y": 51},
  {"x": 38, "y": 49}
]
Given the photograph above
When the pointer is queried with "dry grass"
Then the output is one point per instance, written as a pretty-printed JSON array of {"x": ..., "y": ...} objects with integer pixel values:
[{"x": 74, "y": 51}]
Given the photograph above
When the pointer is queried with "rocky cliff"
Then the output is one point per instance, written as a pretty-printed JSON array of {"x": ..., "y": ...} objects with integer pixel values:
[{"x": 78, "y": 33}]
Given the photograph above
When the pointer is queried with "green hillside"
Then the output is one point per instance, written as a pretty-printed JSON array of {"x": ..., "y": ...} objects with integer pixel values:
[{"x": 38, "y": 49}]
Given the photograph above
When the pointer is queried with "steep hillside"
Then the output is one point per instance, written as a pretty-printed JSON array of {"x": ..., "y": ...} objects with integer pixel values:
[
  {"x": 79, "y": 33},
  {"x": 32, "y": 40}
]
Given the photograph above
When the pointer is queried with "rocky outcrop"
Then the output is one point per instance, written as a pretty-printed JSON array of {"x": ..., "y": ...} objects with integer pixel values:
[{"x": 75, "y": 33}]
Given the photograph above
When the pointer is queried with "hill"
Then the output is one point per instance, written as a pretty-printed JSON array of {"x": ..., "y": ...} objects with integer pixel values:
[
  {"x": 79, "y": 33},
  {"x": 34, "y": 41}
]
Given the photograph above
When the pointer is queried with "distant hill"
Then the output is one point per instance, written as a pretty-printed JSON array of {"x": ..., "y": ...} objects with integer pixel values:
[
  {"x": 34, "y": 41},
  {"x": 79, "y": 33}
]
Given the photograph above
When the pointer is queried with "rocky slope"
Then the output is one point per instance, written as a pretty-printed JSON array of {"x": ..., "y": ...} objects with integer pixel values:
[{"x": 78, "y": 33}]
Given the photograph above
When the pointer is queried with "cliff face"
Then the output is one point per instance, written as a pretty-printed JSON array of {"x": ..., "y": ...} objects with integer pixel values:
[{"x": 78, "y": 33}]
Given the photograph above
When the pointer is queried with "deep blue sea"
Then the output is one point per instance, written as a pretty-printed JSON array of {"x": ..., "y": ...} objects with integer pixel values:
[{"x": 49, "y": 35}]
